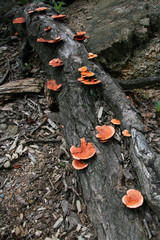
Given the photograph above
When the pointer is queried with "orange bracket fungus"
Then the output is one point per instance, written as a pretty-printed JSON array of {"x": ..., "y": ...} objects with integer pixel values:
[
  {"x": 133, "y": 199},
  {"x": 92, "y": 55},
  {"x": 47, "y": 29},
  {"x": 52, "y": 84},
  {"x": 78, "y": 164},
  {"x": 59, "y": 17},
  {"x": 126, "y": 133},
  {"x": 115, "y": 121},
  {"x": 85, "y": 151},
  {"x": 86, "y": 77},
  {"x": 105, "y": 132},
  {"x": 87, "y": 74},
  {"x": 41, "y": 9},
  {"x": 56, "y": 62},
  {"x": 18, "y": 20},
  {"x": 80, "y": 36},
  {"x": 82, "y": 69},
  {"x": 31, "y": 12},
  {"x": 42, "y": 40},
  {"x": 54, "y": 40}
]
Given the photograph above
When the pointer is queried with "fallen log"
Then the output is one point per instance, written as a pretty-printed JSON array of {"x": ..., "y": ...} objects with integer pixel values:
[
  {"x": 27, "y": 85},
  {"x": 102, "y": 182}
]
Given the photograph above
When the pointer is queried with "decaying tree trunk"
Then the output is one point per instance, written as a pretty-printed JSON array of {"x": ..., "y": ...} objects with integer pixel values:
[{"x": 101, "y": 182}]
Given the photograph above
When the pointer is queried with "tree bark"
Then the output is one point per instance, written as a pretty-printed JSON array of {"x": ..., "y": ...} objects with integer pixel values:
[{"x": 102, "y": 182}]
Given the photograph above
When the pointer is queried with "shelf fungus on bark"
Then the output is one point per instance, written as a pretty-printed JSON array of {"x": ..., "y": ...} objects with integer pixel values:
[
  {"x": 56, "y": 62},
  {"x": 92, "y": 55},
  {"x": 126, "y": 133},
  {"x": 85, "y": 151},
  {"x": 41, "y": 9},
  {"x": 87, "y": 77},
  {"x": 133, "y": 199},
  {"x": 78, "y": 164},
  {"x": 18, "y": 20},
  {"x": 80, "y": 36},
  {"x": 59, "y": 17},
  {"x": 54, "y": 40},
  {"x": 47, "y": 29},
  {"x": 105, "y": 132},
  {"x": 115, "y": 121},
  {"x": 52, "y": 85}
]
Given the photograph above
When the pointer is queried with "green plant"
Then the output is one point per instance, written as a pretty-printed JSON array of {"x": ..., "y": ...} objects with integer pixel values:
[
  {"x": 59, "y": 6},
  {"x": 23, "y": 2},
  {"x": 27, "y": 67},
  {"x": 157, "y": 107}
]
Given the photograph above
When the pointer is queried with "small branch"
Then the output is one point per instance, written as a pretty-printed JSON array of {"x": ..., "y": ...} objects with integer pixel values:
[
  {"x": 147, "y": 82},
  {"x": 43, "y": 141},
  {"x": 147, "y": 228}
]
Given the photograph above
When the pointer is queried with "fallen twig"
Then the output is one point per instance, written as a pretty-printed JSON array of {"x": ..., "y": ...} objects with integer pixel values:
[{"x": 43, "y": 140}]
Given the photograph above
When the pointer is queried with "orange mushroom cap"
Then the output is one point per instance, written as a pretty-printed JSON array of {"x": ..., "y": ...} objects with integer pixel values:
[
  {"x": 92, "y": 55},
  {"x": 90, "y": 82},
  {"x": 81, "y": 79},
  {"x": 87, "y": 74},
  {"x": 80, "y": 38},
  {"x": 115, "y": 121},
  {"x": 126, "y": 133},
  {"x": 52, "y": 84},
  {"x": 59, "y": 17},
  {"x": 56, "y": 62},
  {"x": 133, "y": 199},
  {"x": 82, "y": 69},
  {"x": 55, "y": 40},
  {"x": 78, "y": 164},
  {"x": 47, "y": 29},
  {"x": 80, "y": 34},
  {"x": 30, "y": 12},
  {"x": 42, "y": 40},
  {"x": 85, "y": 151},
  {"x": 18, "y": 20},
  {"x": 105, "y": 132},
  {"x": 40, "y": 9}
]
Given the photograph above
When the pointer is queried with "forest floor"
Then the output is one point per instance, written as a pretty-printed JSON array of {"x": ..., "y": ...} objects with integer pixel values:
[{"x": 40, "y": 196}]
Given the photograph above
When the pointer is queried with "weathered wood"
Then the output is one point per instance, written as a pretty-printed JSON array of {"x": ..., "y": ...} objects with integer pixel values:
[
  {"x": 28, "y": 85},
  {"x": 101, "y": 182}
]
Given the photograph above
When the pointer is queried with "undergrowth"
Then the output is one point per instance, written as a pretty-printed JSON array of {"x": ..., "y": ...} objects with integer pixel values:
[{"x": 59, "y": 6}]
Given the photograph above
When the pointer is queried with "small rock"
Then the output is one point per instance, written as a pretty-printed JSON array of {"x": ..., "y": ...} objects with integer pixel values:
[
  {"x": 7, "y": 164},
  {"x": 38, "y": 233},
  {"x": 2, "y": 195},
  {"x": 64, "y": 205},
  {"x": 52, "y": 238},
  {"x": 88, "y": 18},
  {"x": 58, "y": 222}
]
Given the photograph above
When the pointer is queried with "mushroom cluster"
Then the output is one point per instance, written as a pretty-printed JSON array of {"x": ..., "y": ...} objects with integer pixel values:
[
  {"x": 87, "y": 77},
  {"x": 84, "y": 152},
  {"x": 80, "y": 36}
]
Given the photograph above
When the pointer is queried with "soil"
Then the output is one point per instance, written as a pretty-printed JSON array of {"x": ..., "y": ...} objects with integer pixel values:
[{"x": 40, "y": 196}]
